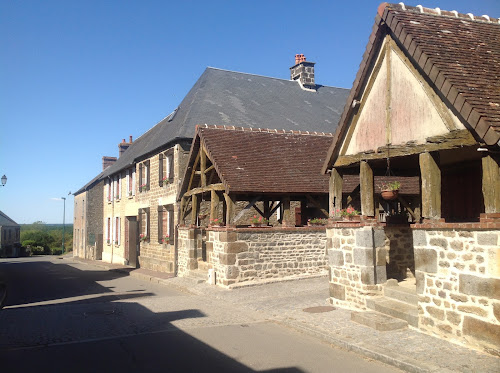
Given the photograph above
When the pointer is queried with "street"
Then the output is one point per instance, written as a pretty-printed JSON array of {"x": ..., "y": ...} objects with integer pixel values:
[{"x": 61, "y": 315}]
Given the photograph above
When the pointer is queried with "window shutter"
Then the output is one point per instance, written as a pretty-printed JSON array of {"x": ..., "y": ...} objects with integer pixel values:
[
  {"x": 140, "y": 177},
  {"x": 133, "y": 182},
  {"x": 127, "y": 180},
  {"x": 160, "y": 224},
  {"x": 120, "y": 185},
  {"x": 140, "y": 220},
  {"x": 148, "y": 180},
  {"x": 160, "y": 170},
  {"x": 119, "y": 231},
  {"x": 147, "y": 223},
  {"x": 170, "y": 166},
  {"x": 171, "y": 226}
]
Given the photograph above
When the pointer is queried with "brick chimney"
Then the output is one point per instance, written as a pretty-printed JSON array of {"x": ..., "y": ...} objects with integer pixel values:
[
  {"x": 107, "y": 161},
  {"x": 124, "y": 146},
  {"x": 303, "y": 71}
]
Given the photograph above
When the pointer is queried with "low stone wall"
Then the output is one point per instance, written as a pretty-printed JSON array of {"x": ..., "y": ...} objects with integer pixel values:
[
  {"x": 457, "y": 274},
  {"x": 458, "y": 283},
  {"x": 157, "y": 257},
  {"x": 250, "y": 255}
]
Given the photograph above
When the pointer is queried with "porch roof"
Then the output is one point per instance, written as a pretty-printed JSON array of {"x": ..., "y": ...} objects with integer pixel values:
[{"x": 458, "y": 53}]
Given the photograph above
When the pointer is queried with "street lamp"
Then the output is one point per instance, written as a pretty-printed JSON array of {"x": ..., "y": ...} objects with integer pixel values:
[
  {"x": 4, "y": 180},
  {"x": 64, "y": 222}
]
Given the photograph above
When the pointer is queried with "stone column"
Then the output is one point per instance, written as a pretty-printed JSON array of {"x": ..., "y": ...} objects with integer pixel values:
[
  {"x": 230, "y": 208},
  {"x": 288, "y": 216},
  {"x": 491, "y": 185}
]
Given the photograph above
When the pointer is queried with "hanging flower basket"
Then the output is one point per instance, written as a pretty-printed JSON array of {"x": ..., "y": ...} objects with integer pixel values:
[{"x": 390, "y": 195}]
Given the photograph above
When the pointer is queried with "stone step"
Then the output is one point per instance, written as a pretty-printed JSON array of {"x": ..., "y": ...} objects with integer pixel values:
[
  {"x": 395, "y": 308},
  {"x": 197, "y": 275},
  {"x": 378, "y": 321},
  {"x": 402, "y": 294}
]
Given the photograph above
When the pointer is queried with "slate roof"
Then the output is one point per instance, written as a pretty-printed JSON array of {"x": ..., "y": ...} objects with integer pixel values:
[
  {"x": 240, "y": 99},
  {"x": 458, "y": 53},
  {"x": 250, "y": 160},
  {"x": 5, "y": 221}
]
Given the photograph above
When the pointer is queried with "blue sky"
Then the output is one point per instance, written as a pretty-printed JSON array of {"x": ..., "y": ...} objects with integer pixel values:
[{"x": 76, "y": 77}]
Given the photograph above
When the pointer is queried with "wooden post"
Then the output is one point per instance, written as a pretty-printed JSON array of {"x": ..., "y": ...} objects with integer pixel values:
[
  {"x": 230, "y": 209},
  {"x": 335, "y": 202},
  {"x": 203, "y": 166},
  {"x": 266, "y": 209},
  {"x": 366, "y": 189},
  {"x": 491, "y": 185},
  {"x": 431, "y": 186},
  {"x": 214, "y": 205},
  {"x": 288, "y": 219},
  {"x": 194, "y": 209}
]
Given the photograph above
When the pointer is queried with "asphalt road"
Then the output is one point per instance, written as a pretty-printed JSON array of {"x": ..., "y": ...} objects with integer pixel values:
[{"x": 64, "y": 316}]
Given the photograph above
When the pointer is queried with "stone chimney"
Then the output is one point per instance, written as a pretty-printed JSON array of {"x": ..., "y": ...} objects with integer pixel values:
[
  {"x": 107, "y": 161},
  {"x": 303, "y": 71},
  {"x": 124, "y": 146}
]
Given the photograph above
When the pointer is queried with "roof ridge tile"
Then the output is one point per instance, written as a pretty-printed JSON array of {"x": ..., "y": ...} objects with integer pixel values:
[
  {"x": 266, "y": 130},
  {"x": 442, "y": 13}
]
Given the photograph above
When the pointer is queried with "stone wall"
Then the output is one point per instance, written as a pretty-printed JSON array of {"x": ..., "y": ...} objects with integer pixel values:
[
  {"x": 258, "y": 255},
  {"x": 458, "y": 273}
]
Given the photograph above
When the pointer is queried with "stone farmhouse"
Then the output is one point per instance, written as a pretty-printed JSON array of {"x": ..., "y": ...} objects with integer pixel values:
[
  {"x": 10, "y": 236},
  {"x": 425, "y": 105},
  {"x": 136, "y": 195}
]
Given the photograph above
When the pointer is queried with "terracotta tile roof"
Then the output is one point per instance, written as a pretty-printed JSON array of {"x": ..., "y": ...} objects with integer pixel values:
[
  {"x": 253, "y": 160},
  {"x": 458, "y": 53}
]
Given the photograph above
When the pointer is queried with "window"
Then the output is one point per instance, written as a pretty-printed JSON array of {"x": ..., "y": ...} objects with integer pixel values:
[
  {"x": 144, "y": 177},
  {"x": 110, "y": 187},
  {"x": 131, "y": 182},
  {"x": 144, "y": 224},
  {"x": 166, "y": 168},
  {"x": 117, "y": 187},
  {"x": 117, "y": 230},
  {"x": 166, "y": 224}
]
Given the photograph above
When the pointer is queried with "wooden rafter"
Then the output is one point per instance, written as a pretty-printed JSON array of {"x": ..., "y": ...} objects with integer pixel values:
[
  {"x": 318, "y": 206},
  {"x": 207, "y": 188}
]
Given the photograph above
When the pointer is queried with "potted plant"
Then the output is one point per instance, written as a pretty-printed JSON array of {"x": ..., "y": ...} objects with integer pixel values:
[
  {"x": 390, "y": 190},
  {"x": 258, "y": 221},
  {"x": 316, "y": 222},
  {"x": 348, "y": 213},
  {"x": 165, "y": 180},
  {"x": 143, "y": 187},
  {"x": 143, "y": 237},
  {"x": 165, "y": 239},
  {"x": 216, "y": 223}
]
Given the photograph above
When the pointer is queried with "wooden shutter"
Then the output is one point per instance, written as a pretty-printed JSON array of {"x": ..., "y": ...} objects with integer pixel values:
[
  {"x": 141, "y": 214},
  {"x": 170, "y": 166},
  {"x": 133, "y": 182},
  {"x": 148, "y": 215},
  {"x": 160, "y": 170},
  {"x": 148, "y": 174},
  {"x": 160, "y": 224},
  {"x": 140, "y": 177},
  {"x": 170, "y": 213}
]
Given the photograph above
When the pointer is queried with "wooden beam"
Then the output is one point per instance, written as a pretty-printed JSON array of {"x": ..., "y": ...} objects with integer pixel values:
[
  {"x": 207, "y": 188},
  {"x": 194, "y": 209},
  {"x": 452, "y": 140},
  {"x": 366, "y": 189},
  {"x": 407, "y": 207},
  {"x": 335, "y": 195},
  {"x": 288, "y": 219},
  {"x": 316, "y": 203},
  {"x": 230, "y": 208},
  {"x": 208, "y": 169},
  {"x": 491, "y": 185},
  {"x": 247, "y": 207},
  {"x": 273, "y": 209},
  {"x": 258, "y": 210},
  {"x": 431, "y": 186},
  {"x": 203, "y": 166},
  {"x": 214, "y": 205},
  {"x": 193, "y": 171},
  {"x": 266, "y": 209}
]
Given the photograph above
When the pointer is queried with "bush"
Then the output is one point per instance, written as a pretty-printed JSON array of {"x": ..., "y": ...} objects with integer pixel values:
[
  {"x": 37, "y": 250},
  {"x": 56, "y": 251}
]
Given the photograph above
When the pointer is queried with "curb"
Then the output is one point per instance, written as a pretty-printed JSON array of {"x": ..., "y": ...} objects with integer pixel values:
[{"x": 408, "y": 365}]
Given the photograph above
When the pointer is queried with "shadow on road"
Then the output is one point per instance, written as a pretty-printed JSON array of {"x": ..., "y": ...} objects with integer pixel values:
[{"x": 100, "y": 334}]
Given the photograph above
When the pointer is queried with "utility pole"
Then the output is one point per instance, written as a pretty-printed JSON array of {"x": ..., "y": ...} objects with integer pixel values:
[{"x": 64, "y": 222}]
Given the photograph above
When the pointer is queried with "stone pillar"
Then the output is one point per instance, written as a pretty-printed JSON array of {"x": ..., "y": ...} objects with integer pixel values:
[
  {"x": 491, "y": 185},
  {"x": 214, "y": 205},
  {"x": 431, "y": 186},
  {"x": 366, "y": 189},
  {"x": 335, "y": 202},
  {"x": 194, "y": 209},
  {"x": 230, "y": 208}
]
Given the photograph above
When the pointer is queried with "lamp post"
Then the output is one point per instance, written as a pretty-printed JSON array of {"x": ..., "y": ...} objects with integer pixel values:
[
  {"x": 64, "y": 222},
  {"x": 4, "y": 180}
]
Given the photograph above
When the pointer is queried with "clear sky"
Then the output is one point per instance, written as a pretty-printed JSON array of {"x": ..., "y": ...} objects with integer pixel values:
[{"x": 77, "y": 77}]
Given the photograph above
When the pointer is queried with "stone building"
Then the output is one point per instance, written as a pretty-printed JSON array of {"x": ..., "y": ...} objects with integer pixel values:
[
  {"x": 10, "y": 235},
  {"x": 140, "y": 188},
  {"x": 241, "y": 194},
  {"x": 425, "y": 104}
]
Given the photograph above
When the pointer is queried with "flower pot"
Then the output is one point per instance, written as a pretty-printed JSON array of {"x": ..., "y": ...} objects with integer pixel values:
[
  {"x": 256, "y": 225},
  {"x": 389, "y": 195}
]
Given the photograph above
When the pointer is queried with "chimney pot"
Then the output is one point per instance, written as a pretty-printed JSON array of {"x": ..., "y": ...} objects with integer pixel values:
[
  {"x": 123, "y": 141},
  {"x": 130, "y": 137}
]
